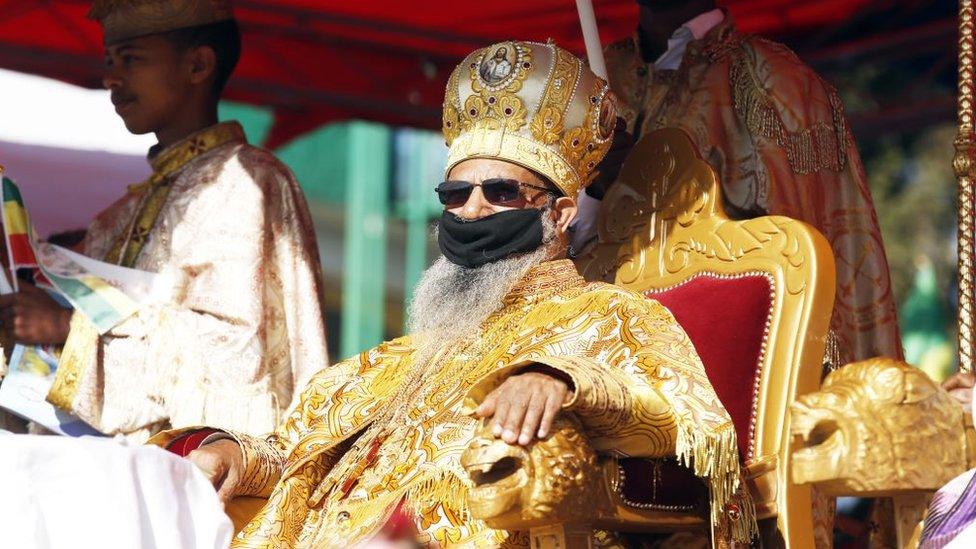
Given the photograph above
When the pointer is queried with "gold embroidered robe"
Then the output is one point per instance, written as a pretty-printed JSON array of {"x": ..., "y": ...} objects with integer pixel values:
[
  {"x": 226, "y": 226},
  {"x": 776, "y": 135},
  {"x": 379, "y": 428}
]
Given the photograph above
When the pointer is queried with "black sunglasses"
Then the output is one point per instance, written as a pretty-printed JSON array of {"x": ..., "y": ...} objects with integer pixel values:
[{"x": 497, "y": 191}]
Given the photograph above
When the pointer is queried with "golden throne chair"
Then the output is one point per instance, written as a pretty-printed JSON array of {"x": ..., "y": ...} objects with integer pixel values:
[{"x": 754, "y": 296}]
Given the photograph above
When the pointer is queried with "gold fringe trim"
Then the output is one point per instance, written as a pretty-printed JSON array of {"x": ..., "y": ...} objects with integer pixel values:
[
  {"x": 445, "y": 486},
  {"x": 808, "y": 150},
  {"x": 715, "y": 458},
  {"x": 79, "y": 351}
]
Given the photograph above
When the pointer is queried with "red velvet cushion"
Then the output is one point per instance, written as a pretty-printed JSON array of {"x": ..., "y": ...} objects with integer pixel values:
[
  {"x": 726, "y": 321},
  {"x": 189, "y": 442}
]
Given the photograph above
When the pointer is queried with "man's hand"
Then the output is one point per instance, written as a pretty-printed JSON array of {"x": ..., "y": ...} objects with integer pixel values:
[
  {"x": 34, "y": 317},
  {"x": 222, "y": 463},
  {"x": 524, "y": 406},
  {"x": 960, "y": 386}
]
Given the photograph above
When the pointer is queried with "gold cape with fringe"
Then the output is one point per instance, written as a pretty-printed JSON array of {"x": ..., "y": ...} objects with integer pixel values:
[{"x": 378, "y": 428}]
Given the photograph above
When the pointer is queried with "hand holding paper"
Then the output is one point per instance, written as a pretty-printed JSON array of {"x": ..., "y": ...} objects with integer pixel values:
[
  {"x": 34, "y": 317},
  {"x": 106, "y": 294}
]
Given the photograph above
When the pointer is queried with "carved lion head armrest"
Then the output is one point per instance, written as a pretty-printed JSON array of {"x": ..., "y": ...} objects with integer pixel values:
[
  {"x": 879, "y": 427},
  {"x": 555, "y": 480},
  {"x": 561, "y": 482}
]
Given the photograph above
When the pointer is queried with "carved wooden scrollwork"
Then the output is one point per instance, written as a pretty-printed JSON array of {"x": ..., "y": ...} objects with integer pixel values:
[{"x": 665, "y": 214}]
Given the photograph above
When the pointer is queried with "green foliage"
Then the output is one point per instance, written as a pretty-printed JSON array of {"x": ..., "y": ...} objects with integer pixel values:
[{"x": 914, "y": 194}]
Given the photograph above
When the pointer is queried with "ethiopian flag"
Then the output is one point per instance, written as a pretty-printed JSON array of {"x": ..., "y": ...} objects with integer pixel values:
[
  {"x": 16, "y": 225},
  {"x": 106, "y": 294}
]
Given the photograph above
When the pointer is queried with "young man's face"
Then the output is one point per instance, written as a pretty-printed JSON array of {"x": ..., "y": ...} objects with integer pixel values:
[{"x": 149, "y": 79}]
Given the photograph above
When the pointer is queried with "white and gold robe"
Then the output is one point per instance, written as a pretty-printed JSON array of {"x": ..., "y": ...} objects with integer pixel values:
[{"x": 227, "y": 228}]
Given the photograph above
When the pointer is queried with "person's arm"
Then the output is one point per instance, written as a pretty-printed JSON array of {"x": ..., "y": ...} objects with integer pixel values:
[
  {"x": 191, "y": 359},
  {"x": 639, "y": 397},
  {"x": 255, "y": 464},
  {"x": 960, "y": 386},
  {"x": 329, "y": 411},
  {"x": 640, "y": 391},
  {"x": 621, "y": 414}
]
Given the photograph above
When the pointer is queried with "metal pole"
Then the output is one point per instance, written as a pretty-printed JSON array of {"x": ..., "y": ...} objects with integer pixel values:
[
  {"x": 964, "y": 164},
  {"x": 591, "y": 36}
]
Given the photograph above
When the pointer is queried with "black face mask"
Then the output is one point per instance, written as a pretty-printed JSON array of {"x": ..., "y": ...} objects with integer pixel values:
[{"x": 474, "y": 243}]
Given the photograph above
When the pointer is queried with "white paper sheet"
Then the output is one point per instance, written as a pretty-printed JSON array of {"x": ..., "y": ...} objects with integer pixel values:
[{"x": 24, "y": 390}]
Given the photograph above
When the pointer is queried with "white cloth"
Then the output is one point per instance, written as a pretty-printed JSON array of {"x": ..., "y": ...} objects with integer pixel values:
[
  {"x": 693, "y": 29},
  {"x": 60, "y": 492}
]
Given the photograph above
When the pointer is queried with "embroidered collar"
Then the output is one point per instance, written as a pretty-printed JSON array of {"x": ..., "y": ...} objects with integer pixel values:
[
  {"x": 155, "y": 190},
  {"x": 170, "y": 160},
  {"x": 544, "y": 278}
]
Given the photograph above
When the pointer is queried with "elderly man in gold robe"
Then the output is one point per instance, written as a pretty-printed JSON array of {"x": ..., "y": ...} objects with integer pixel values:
[
  {"x": 776, "y": 135},
  {"x": 223, "y": 223},
  {"x": 502, "y": 319}
]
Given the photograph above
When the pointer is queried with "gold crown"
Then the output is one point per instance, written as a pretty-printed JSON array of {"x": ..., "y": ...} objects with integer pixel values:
[
  {"x": 532, "y": 104},
  {"x": 125, "y": 19}
]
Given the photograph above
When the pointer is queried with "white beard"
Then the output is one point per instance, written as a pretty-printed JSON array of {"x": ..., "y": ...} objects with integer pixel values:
[{"x": 451, "y": 302}]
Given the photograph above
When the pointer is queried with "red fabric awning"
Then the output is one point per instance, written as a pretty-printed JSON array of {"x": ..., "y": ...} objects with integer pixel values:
[{"x": 315, "y": 61}]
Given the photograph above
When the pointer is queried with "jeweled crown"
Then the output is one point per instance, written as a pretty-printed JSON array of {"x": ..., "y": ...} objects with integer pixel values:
[{"x": 532, "y": 104}]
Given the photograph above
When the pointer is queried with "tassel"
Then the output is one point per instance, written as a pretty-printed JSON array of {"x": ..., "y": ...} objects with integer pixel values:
[
  {"x": 808, "y": 150},
  {"x": 715, "y": 457},
  {"x": 441, "y": 487}
]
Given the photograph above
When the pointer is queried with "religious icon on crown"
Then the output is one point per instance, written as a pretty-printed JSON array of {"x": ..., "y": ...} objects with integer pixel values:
[{"x": 499, "y": 66}]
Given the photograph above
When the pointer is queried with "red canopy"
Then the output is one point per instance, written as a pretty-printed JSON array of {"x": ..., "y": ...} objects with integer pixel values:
[{"x": 387, "y": 60}]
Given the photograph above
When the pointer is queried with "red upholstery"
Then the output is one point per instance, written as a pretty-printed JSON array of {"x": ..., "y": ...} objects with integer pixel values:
[
  {"x": 189, "y": 442},
  {"x": 726, "y": 321}
]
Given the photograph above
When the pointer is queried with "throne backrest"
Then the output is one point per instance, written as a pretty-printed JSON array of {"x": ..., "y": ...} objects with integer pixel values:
[{"x": 754, "y": 296}]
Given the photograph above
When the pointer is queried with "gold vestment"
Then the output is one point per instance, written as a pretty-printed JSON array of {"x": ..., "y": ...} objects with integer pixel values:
[
  {"x": 776, "y": 135},
  {"x": 379, "y": 429},
  {"x": 226, "y": 227}
]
